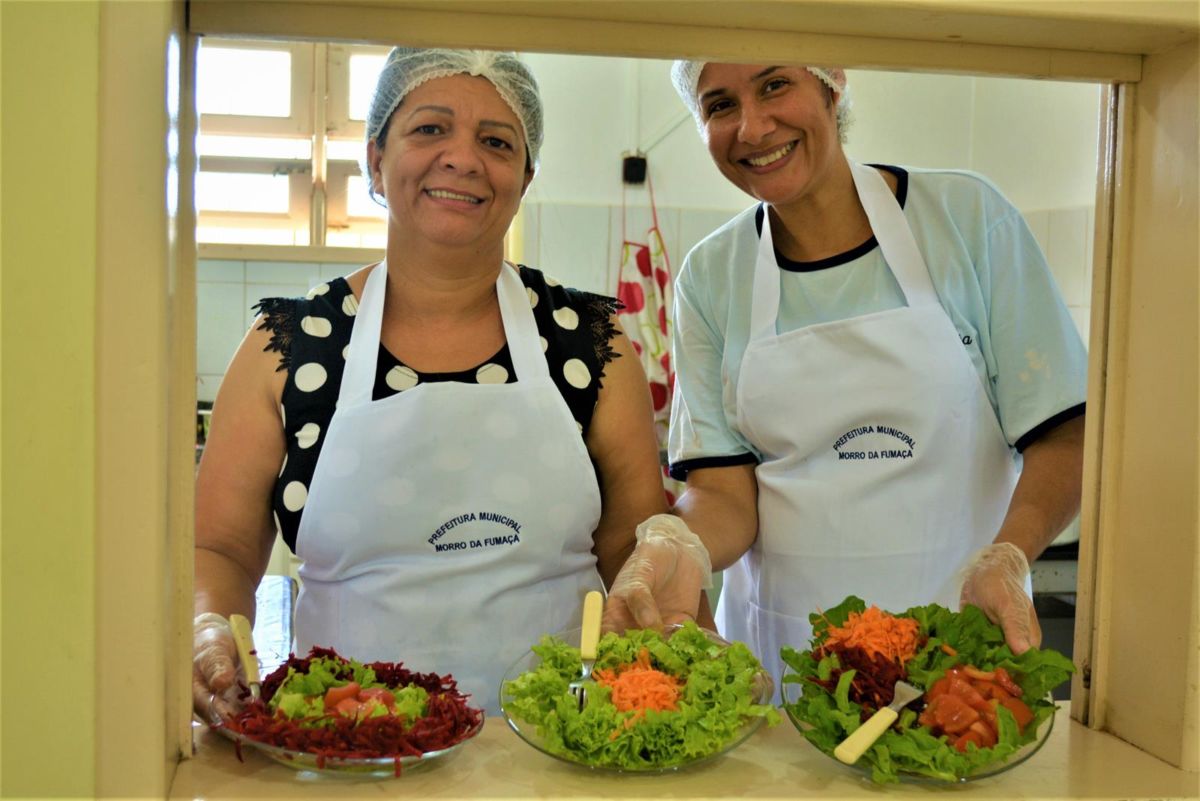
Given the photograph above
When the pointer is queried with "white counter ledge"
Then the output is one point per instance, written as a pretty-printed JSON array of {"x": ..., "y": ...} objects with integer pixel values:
[{"x": 1076, "y": 762}]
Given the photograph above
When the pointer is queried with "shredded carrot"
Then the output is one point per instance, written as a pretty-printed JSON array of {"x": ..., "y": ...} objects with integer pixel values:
[
  {"x": 638, "y": 686},
  {"x": 949, "y": 650},
  {"x": 877, "y": 632}
]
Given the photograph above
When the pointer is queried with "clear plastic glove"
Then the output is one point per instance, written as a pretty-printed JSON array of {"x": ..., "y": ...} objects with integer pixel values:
[
  {"x": 214, "y": 668},
  {"x": 994, "y": 580},
  {"x": 661, "y": 581}
]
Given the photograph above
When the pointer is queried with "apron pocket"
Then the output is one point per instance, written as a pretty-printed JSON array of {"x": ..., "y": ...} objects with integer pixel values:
[{"x": 769, "y": 632}]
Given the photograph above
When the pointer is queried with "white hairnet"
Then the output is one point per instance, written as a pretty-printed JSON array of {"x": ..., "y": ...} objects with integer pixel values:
[
  {"x": 409, "y": 67},
  {"x": 686, "y": 77}
]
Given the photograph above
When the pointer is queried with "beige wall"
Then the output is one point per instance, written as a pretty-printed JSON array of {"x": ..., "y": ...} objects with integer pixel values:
[
  {"x": 89, "y": 315},
  {"x": 95, "y": 355},
  {"x": 47, "y": 352},
  {"x": 1146, "y": 650}
]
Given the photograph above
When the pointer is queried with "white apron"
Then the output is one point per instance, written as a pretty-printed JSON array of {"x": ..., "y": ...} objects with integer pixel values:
[
  {"x": 884, "y": 466},
  {"x": 448, "y": 526}
]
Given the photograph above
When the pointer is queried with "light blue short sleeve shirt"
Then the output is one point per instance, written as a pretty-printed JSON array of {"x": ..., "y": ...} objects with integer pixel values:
[{"x": 990, "y": 276}]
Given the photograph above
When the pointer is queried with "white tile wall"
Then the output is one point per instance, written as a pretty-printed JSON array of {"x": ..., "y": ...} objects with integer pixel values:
[
  {"x": 1066, "y": 250},
  {"x": 1066, "y": 238},
  {"x": 220, "y": 324},
  {"x": 581, "y": 245},
  {"x": 281, "y": 272},
  {"x": 208, "y": 270},
  {"x": 573, "y": 246}
]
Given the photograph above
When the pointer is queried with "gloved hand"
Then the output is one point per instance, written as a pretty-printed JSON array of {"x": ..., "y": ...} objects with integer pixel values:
[
  {"x": 214, "y": 668},
  {"x": 994, "y": 580},
  {"x": 660, "y": 582}
]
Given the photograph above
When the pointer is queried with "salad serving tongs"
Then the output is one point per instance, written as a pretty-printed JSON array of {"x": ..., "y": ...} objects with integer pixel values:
[
  {"x": 243, "y": 638},
  {"x": 862, "y": 738},
  {"x": 593, "y": 608}
]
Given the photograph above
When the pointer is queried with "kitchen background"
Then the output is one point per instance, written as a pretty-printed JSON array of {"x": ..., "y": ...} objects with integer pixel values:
[{"x": 1036, "y": 140}]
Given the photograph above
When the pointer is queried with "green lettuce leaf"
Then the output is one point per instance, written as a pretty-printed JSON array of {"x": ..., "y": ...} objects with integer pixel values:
[
  {"x": 828, "y": 718},
  {"x": 715, "y": 704}
]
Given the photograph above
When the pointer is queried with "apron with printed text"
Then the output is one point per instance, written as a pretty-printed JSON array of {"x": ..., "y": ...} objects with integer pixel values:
[
  {"x": 448, "y": 526},
  {"x": 883, "y": 463}
]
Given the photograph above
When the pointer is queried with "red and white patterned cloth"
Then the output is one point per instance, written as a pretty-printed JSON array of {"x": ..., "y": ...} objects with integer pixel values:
[{"x": 644, "y": 289}]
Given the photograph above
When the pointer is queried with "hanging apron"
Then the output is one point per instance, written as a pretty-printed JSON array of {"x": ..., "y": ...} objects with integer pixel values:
[
  {"x": 448, "y": 526},
  {"x": 883, "y": 464},
  {"x": 644, "y": 290}
]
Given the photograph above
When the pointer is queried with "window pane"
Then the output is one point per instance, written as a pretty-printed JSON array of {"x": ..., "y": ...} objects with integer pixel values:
[
  {"x": 345, "y": 150},
  {"x": 256, "y": 83},
  {"x": 258, "y": 147},
  {"x": 250, "y": 235},
  {"x": 240, "y": 191},
  {"x": 359, "y": 203},
  {"x": 357, "y": 238},
  {"x": 364, "y": 72}
]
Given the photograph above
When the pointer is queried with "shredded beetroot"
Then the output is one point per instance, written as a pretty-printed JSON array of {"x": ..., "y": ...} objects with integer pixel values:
[
  {"x": 875, "y": 676},
  {"x": 447, "y": 720}
]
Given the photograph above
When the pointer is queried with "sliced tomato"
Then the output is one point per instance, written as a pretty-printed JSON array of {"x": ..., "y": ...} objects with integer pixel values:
[
  {"x": 1006, "y": 681},
  {"x": 953, "y": 714},
  {"x": 987, "y": 735},
  {"x": 380, "y": 695},
  {"x": 967, "y": 693},
  {"x": 997, "y": 693},
  {"x": 349, "y": 708},
  {"x": 989, "y": 714},
  {"x": 1020, "y": 712},
  {"x": 939, "y": 687},
  {"x": 960, "y": 744},
  {"x": 335, "y": 695}
]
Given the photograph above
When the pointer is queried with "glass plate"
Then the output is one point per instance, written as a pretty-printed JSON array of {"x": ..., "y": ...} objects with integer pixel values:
[
  {"x": 528, "y": 732},
  {"x": 983, "y": 772},
  {"x": 364, "y": 768}
]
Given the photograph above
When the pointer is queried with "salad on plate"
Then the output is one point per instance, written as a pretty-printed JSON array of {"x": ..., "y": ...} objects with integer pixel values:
[
  {"x": 983, "y": 709},
  {"x": 330, "y": 713},
  {"x": 655, "y": 701}
]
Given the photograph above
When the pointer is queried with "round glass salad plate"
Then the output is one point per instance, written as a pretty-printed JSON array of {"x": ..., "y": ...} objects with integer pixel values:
[
  {"x": 341, "y": 767},
  {"x": 791, "y": 691},
  {"x": 759, "y": 691}
]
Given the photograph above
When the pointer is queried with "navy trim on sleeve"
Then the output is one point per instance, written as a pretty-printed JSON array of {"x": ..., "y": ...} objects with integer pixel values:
[
  {"x": 1033, "y": 434},
  {"x": 679, "y": 470}
]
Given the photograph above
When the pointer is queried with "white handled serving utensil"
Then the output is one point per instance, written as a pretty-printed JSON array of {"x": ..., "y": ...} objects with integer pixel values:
[
  {"x": 243, "y": 638},
  {"x": 593, "y": 609},
  {"x": 862, "y": 738}
]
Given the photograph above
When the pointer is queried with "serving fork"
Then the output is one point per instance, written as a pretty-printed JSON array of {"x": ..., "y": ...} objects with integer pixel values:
[
  {"x": 243, "y": 638},
  {"x": 862, "y": 738},
  {"x": 589, "y": 635}
]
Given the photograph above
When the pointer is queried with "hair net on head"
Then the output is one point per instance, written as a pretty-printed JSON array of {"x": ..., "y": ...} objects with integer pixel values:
[
  {"x": 409, "y": 67},
  {"x": 686, "y": 77}
]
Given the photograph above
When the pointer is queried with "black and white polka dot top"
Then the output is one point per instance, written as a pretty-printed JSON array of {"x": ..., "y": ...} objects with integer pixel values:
[{"x": 310, "y": 334}]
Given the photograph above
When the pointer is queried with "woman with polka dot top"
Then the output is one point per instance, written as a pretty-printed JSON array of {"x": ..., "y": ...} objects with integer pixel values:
[{"x": 451, "y": 444}]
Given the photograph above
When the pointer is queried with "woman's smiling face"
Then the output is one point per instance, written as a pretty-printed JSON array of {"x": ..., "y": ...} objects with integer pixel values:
[
  {"x": 772, "y": 131},
  {"x": 452, "y": 167}
]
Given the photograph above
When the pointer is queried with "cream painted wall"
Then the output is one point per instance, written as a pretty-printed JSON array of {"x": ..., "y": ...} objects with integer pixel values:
[
  {"x": 1035, "y": 139},
  {"x": 1149, "y": 500},
  {"x": 48, "y": 98}
]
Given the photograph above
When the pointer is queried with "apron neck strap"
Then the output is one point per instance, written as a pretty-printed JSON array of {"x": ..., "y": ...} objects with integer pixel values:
[
  {"x": 362, "y": 356},
  {"x": 362, "y": 359},
  {"x": 891, "y": 230},
  {"x": 520, "y": 327},
  {"x": 895, "y": 238}
]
